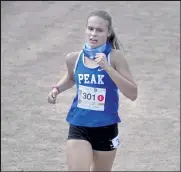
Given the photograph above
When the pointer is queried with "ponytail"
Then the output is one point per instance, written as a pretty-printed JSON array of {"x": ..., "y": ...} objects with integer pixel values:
[{"x": 116, "y": 44}]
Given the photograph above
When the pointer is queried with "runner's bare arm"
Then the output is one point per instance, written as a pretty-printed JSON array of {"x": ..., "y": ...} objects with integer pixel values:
[
  {"x": 122, "y": 76},
  {"x": 67, "y": 81}
]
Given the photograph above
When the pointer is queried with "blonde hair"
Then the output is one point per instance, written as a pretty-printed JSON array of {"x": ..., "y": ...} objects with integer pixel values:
[{"x": 112, "y": 38}]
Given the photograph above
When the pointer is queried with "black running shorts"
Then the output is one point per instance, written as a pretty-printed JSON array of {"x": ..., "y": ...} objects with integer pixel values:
[{"x": 104, "y": 138}]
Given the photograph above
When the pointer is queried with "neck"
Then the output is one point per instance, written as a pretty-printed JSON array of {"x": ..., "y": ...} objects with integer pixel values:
[
  {"x": 101, "y": 46},
  {"x": 91, "y": 52}
]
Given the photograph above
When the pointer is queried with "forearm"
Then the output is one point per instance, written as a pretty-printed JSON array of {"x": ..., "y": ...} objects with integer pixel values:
[
  {"x": 128, "y": 88},
  {"x": 64, "y": 84}
]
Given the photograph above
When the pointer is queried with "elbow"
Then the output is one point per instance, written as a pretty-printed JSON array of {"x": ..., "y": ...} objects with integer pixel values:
[
  {"x": 133, "y": 98},
  {"x": 134, "y": 94},
  {"x": 131, "y": 93}
]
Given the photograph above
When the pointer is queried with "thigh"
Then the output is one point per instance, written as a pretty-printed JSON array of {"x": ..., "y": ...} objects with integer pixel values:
[
  {"x": 79, "y": 155},
  {"x": 105, "y": 143},
  {"x": 79, "y": 149},
  {"x": 103, "y": 160}
]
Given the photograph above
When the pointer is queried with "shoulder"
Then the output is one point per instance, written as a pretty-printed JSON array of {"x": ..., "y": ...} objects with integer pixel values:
[
  {"x": 70, "y": 62},
  {"x": 117, "y": 53},
  {"x": 117, "y": 57},
  {"x": 72, "y": 57}
]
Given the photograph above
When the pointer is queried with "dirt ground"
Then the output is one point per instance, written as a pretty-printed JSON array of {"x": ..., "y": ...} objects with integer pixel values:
[{"x": 36, "y": 36}]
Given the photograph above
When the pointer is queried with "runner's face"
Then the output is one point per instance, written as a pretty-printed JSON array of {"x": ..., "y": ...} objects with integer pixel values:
[{"x": 96, "y": 31}]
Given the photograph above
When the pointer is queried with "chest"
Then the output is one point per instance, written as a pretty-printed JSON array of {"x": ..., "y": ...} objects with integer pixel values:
[
  {"x": 88, "y": 78},
  {"x": 89, "y": 73}
]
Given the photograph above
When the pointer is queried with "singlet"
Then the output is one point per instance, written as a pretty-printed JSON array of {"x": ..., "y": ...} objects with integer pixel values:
[{"x": 96, "y": 101}]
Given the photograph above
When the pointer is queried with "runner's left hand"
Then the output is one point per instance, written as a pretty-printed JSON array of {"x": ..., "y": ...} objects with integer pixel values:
[{"x": 101, "y": 60}]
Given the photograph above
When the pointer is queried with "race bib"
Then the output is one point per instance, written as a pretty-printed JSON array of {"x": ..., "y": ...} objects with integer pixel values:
[{"x": 91, "y": 98}]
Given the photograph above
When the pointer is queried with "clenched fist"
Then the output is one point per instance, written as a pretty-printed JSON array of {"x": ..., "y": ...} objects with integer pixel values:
[{"x": 52, "y": 96}]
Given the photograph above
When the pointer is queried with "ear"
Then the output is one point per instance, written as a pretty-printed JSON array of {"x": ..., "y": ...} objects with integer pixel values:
[{"x": 109, "y": 33}]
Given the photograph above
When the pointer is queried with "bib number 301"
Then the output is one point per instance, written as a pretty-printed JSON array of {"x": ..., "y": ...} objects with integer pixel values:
[
  {"x": 91, "y": 98},
  {"x": 88, "y": 96}
]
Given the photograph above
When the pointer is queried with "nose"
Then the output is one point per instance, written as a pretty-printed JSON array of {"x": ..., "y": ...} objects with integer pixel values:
[{"x": 93, "y": 33}]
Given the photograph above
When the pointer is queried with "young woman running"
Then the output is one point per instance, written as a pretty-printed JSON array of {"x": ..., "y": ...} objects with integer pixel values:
[{"x": 98, "y": 71}]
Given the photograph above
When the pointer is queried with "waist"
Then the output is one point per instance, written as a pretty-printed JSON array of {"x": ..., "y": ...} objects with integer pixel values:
[{"x": 89, "y": 118}]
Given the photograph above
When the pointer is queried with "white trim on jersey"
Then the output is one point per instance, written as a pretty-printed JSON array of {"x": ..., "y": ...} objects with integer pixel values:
[{"x": 108, "y": 59}]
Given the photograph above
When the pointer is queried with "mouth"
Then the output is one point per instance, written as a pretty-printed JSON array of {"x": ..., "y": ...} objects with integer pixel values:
[{"x": 92, "y": 40}]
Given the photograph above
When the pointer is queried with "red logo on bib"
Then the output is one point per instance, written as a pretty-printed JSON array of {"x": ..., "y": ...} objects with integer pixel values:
[{"x": 100, "y": 98}]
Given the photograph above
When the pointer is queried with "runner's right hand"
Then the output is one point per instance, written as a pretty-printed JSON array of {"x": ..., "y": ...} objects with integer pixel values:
[{"x": 52, "y": 96}]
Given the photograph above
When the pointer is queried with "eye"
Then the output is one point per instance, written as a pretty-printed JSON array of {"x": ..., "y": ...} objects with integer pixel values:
[
  {"x": 99, "y": 30},
  {"x": 90, "y": 28}
]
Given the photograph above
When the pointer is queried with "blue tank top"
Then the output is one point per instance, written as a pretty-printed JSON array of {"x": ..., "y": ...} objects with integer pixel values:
[{"x": 97, "y": 101}]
